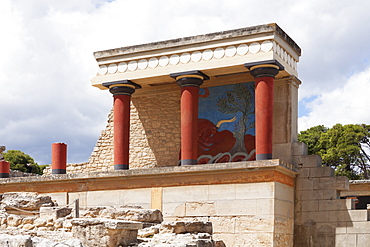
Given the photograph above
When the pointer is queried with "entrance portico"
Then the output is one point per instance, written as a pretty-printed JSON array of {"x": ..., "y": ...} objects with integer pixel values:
[{"x": 262, "y": 54}]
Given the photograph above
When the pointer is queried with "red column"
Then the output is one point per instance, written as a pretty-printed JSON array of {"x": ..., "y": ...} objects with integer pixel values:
[
  {"x": 4, "y": 169},
  {"x": 122, "y": 91},
  {"x": 189, "y": 83},
  {"x": 58, "y": 158},
  {"x": 121, "y": 121},
  {"x": 264, "y": 76},
  {"x": 189, "y": 125}
]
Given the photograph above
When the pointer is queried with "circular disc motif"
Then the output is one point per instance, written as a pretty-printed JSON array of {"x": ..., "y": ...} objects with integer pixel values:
[
  {"x": 219, "y": 53},
  {"x": 112, "y": 68},
  {"x": 266, "y": 46},
  {"x": 196, "y": 56},
  {"x": 174, "y": 59},
  {"x": 103, "y": 69},
  {"x": 185, "y": 58},
  {"x": 163, "y": 61},
  {"x": 122, "y": 67},
  {"x": 207, "y": 54},
  {"x": 143, "y": 64},
  {"x": 254, "y": 48},
  {"x": 132, "y": 66},
  {"x": 230, "y": 51},
  {"x": 242, "y": 49},
  {"x": 153, "y": 62}
]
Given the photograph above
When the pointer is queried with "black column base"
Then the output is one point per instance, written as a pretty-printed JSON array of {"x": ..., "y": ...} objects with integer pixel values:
[
  {"x": 4, "y": 175},
  {"x": 188, "y": 162},
  {"x": 58, "y": 171},
  {"x": 263, "y": 156},
  {"x": 120, "y": 167}
]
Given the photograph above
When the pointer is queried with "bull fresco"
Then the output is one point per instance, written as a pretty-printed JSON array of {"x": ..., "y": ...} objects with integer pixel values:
[{"x": 226, "y": 124}]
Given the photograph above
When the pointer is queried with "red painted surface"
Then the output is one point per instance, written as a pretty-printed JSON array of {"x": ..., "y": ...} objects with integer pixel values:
[
  {"x": 4, "y": 167},
  {"x": 213, "y": 142},
  {"x": 59, "y": 156},
  {"x": 189, "y": 122},
  {"x": 264, "y": 100},
  {"x": 121, "y": 129}
]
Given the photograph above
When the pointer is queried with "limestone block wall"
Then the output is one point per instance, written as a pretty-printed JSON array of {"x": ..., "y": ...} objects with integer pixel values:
[
  {"x": 250, "y": 214},
  {"x": 321, "y": 217},
  {"x": 247, "y": 214}
]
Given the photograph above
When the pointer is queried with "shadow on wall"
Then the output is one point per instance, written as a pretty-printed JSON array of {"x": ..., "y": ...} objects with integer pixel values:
[{"x": 155, "y": 130}]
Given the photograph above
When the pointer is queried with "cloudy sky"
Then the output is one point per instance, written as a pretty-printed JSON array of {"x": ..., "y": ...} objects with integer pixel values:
[{"x": 46, "y": 59}]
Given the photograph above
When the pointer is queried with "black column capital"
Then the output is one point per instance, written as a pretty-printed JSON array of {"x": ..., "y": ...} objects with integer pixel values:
[
  {"x": 268, "y": 68},
  {"x": 124, "y": 87},
  {"x": 192, "y": 78}
]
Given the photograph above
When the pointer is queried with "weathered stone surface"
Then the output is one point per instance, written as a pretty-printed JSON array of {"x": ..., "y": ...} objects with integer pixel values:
[
  {"x": 15, "y": 241},
  {"x": 179, "y": 240},
  {"x": 29, "y": 201},
  {"x": 54, "y": 212},
  {"x": 148, "y": 232},
  {"x": 108, "y": 223},
  {"x": 123, "y": 213},
  {"x": 181, "y": 227},
  {"x": 42, "y": 242},
  {"x": 105, "y": 232},
  {"x": 28, "y": 241}
]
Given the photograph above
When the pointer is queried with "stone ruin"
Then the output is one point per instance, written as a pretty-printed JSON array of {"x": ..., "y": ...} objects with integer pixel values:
[{"x": 32, "y": 220}]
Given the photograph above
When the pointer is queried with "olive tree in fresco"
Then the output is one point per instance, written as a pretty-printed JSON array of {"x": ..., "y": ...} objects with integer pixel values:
[{"x": 240, "y": 99}]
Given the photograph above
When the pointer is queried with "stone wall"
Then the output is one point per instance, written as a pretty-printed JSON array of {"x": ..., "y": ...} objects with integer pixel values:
[
  {"x": 252, "y": 214},
  {"x": 154, "y": 136},
  {"x": 321, "y": 217}
]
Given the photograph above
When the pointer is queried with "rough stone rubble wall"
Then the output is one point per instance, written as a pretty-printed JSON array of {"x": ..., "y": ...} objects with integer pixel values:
[{"x": 154, "y": 136}]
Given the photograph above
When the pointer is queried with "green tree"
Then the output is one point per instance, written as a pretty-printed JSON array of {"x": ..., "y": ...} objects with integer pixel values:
[
  {"x": 342, "y": 147},
  {"x": 18, "y": 161}
]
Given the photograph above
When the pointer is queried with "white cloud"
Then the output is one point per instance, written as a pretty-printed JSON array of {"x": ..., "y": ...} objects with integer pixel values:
[{"x": 346, "y": 105}]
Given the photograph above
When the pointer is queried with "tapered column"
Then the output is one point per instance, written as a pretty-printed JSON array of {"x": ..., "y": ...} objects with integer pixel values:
[
  {"x": 122, "y": 91},
  {"x": 189, "y": 83},
  {"x": 264, "y": 76},
  {"x": 58, "y": 158}
]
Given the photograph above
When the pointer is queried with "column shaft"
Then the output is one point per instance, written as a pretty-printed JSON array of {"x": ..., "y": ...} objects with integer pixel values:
[
  {"x": 264, "y": 103},
  {"x": 58, "y": 158},
  {"x": 189, "y": 125},
  {"x": 122, "y": 91},
  {"x": 189, "y": 82},
  {"x": 264, "y": 76},
  {"x": 121, "y": 131},
  {"x": 4, "y": 169}
]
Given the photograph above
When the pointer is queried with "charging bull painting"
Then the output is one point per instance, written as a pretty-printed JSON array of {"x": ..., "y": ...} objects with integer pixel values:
[{"x": 226, "y": 130}]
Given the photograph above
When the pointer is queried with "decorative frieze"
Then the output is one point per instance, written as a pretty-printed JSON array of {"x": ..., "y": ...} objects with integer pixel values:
[{"x": 225, "y": 52}]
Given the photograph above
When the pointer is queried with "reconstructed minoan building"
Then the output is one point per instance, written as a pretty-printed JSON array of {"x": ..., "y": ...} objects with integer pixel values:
[{"x": 205, "y": 128}]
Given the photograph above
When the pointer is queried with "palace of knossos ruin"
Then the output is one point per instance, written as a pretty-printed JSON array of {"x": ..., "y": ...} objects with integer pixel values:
[{"x": 201, "y": 144}]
